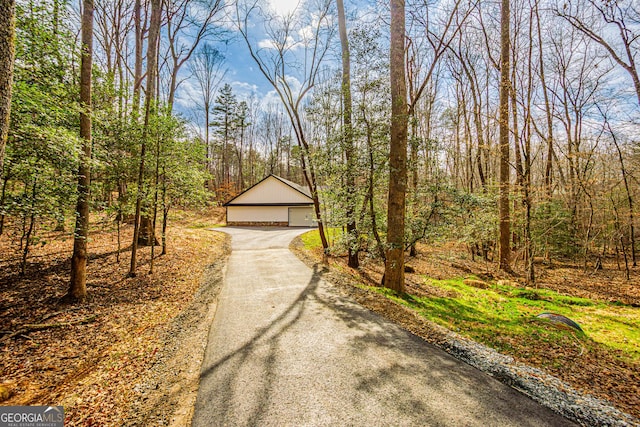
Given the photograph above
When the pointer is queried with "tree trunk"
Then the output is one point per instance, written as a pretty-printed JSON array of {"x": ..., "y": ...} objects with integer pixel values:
[
  {"x": 477, "y": 121},
  {"x": 78, "y": 284},
  {"x": 165, "y": 211},
  {"x": 150, "y": 108},
  {"x": 394, "y": 265},
  {"x": 625, "y": 179},
  {"x": 3, "y": 196},
  {"x": 352, "y": 230},
  {"x": 547, "y": 107},
  {"x": 28, "y": 232},
  {"x": 118, "y": 221},
  {"x": 505, "y": 89},
  {"x": 137, "y": 73},
  {"x": 156, "y": 179},
  {"x": 309, "y": 174},
  {"x": 7, "y": 55},
  {"x": 371, "y": 179}
]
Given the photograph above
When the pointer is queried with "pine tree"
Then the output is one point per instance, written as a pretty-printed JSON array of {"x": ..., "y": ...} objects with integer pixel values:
[{"x": 224, "y": 123}]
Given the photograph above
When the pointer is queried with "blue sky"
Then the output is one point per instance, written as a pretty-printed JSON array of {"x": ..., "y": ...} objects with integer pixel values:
[{"x": 242, "y": 72}]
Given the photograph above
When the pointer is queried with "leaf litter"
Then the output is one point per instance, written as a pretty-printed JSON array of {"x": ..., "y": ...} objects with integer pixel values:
[{"x": 98, "y": 358}]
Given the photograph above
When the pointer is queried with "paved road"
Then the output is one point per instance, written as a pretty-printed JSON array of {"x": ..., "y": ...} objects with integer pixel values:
[{"x": 286, "y": 350}]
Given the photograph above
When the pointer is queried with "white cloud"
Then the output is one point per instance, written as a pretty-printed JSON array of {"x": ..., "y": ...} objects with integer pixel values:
[
  {"x": 284, "y": 7},
  {"x": 267, "y": 44},
  {"x": 187, "y": 95},
  {"x": 273, "y": 44},
  {"x": 293, "y": 83},
  {"x": 244, "y": 86},
  {"x": 271, "y": 98},
  {"x": 244, "y": 90}
]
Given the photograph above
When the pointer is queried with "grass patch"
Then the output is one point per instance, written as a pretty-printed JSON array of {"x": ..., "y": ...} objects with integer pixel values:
[
  {"x": 206, "y": 224},
  {"x": 311, "y": 239},
  {"x": 504, "y": 317}
]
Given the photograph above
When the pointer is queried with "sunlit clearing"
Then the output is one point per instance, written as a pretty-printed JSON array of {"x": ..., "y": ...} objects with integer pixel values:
[{"x": 284, "y": 7}]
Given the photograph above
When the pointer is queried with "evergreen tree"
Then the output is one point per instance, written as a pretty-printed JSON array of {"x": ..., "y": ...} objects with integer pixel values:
[{"x": 224, "y": 125}]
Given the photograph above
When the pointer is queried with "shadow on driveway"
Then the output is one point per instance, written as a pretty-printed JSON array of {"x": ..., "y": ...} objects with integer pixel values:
[{"x": 324, "y": 360}]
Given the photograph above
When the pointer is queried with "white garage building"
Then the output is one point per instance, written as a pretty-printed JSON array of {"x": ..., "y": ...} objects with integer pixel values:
[{"x": 272, "y": 201}]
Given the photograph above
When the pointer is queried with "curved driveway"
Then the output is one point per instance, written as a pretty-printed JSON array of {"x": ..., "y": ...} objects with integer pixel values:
[{"x": 285, "y": 349}]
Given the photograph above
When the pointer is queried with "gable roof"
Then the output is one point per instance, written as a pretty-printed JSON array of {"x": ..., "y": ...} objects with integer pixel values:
[
  {"x": 298, "y": 187},
  {"x": 297, "y": 194}
]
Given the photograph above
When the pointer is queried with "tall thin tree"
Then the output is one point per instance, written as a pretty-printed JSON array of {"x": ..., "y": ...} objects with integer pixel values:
[
  {"x": 78, "y": 284},
  {"x": 7, "y": 55},
  {"x": 206, "y": 67},
  {"x": 352, "y": 231},
  {"x": 150, "y": 108},
  {"x": 504, "y": 255},
  {"x": 276, "y": 61},
  {"x": 394, "y": 264}
]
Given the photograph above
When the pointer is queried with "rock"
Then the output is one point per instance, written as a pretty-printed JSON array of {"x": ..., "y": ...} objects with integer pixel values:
[
  {"x": 560, "y": 319},
  {"x": 476, "y": 283},
  {"x": 5, "y": 393}
]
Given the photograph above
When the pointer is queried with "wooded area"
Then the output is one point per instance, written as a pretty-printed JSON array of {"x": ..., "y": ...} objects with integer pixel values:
[
  {"x": 439, "y": 139},
  {"x": 513, "y": 133}
]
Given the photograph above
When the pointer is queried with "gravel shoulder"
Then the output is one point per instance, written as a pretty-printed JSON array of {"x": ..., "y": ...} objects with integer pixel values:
[
  {"x": 540, "y": 386},
  {"x": 167, "y": 393}
]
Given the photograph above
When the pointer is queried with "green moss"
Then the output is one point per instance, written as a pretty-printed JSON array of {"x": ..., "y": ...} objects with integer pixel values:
[{"x": 502, "y": 314}]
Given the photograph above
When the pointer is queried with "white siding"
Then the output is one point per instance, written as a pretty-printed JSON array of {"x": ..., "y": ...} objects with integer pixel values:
[
  {"x": 271, "y": 191},
  {"x": 257, "y": 214}
]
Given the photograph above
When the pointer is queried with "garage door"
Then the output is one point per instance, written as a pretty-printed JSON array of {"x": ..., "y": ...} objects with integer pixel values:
[{"x": 301, "y": 217}]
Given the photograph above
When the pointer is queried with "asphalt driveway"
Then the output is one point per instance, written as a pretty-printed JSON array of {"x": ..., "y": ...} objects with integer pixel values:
[{"x": 285, "y": 349}]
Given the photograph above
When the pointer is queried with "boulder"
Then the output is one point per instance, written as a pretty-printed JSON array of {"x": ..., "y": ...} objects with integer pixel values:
[{"x": 560, "y": 319}]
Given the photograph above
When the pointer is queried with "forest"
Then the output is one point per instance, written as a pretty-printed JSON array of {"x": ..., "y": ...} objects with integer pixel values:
[
  {"x": 507, "y": 129},
  {"x": 561, "y": 174}
]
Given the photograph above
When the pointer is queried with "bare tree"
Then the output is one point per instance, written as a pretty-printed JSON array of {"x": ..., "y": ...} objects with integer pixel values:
[
  {"x": 7, "y": 55},
  {"x": 430, "y": 35},
  {"x": 206, "y": 66},
  {"x": 78, "y": 284},
  {"x": 579, "y": 78},
  {"x": 426, "y": 38},
  {"x": 598, "y": 19},
  {"x": 290, "y": 60},
  {"x": 625, "y": 180},
  {"x": 114, "y": 21},
  {"x": 186, "y": 28},
  {"x": 140, "y": 23},
  {"x": 468, "y": 67},
  {"x": 548, "y": 108}
]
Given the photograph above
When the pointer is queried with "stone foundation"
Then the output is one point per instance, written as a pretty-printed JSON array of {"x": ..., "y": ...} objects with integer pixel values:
[{"x": 257, "y": 224}]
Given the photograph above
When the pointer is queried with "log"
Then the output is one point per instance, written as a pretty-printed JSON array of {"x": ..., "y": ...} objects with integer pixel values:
[{"x": 32, "y": 327}]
